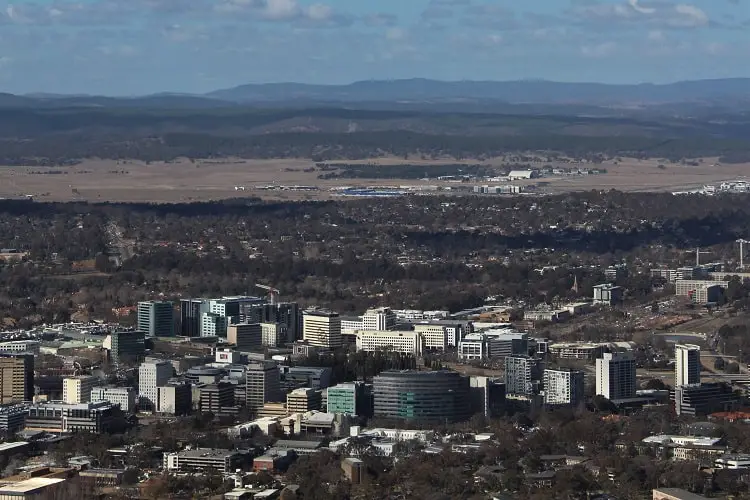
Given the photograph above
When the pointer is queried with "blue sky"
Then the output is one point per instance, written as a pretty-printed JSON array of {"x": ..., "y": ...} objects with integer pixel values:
[{"x": 128, "y": 47}]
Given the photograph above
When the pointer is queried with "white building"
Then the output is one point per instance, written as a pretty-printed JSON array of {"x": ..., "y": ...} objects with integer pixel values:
[
  {"x": 684, "y": 288},
  {"x": 123, "y": 396},
  {"x": 732, "y": 461},
  {"x": 151, "y": 375},
  {"x": 615, "y": 376},
  {"x": 563, "y": 387},
  {"x": 20, "y": 346},
  {"x": 687, "y": 366},
  {"x": 411, "y": 315},
  {"x": 273, "y": 334},
  {"x": 435, "y": 336},
  {"x": 522, "y": 174},
  {"x": 213, "y": 325},
  {"x": 607, "y": 294},
  {"x": 321, "y": 328},
  {"x": 77, "y": 390},
  {"x": 405, "y": 342},
  {"x": 379, "y": 319}
]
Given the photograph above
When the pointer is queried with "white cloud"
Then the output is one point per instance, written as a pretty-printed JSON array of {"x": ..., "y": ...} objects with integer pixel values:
[
  {"x": 395, "y": 34},
  {"x": 319, "y": 12},
  {"x": 603, "y": 49},
  {"x": 639, "y": 12}
]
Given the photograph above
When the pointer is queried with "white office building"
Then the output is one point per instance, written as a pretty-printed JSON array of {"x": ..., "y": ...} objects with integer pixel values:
[
  {"x": 615, "y": 375},
  {"x": 14, "y": 346},
  {"x": 406, "y": 342},
  {"x": 125, "y": 397},
  {"x": 435, "y": 336},
  {"x": 379, "y": 319},
  {"x": 563, "y": 387},
  {"x": 687, "y": 366},
  {"x": 151, "y": 375},
  {"x": 321, "y": 328},
  {"x": 77, "y": 390}
]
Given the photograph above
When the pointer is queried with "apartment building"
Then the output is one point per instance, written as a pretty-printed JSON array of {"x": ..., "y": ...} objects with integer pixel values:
[{"x": 78, "y": 389}]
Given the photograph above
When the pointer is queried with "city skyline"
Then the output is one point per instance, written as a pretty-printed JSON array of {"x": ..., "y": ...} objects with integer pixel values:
[{"x": 147, "y": 46}]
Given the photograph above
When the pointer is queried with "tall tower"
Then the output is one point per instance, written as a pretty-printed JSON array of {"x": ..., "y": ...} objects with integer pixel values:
[
  {"x": 615, "y": 376},
  {"x": 687, "y": 365}
]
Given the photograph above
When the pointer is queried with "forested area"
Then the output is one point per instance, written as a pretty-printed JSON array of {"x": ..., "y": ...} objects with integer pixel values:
[{"x": 421, "y": 252}]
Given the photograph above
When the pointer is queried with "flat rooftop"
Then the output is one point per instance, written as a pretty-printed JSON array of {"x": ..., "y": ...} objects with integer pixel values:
[
  {"x": 206, "y": 453},
  {"x": 30, "y": 485}
]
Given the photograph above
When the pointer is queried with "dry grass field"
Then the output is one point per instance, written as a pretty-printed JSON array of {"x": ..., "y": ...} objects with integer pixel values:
[{"x": 202, "y": 180}]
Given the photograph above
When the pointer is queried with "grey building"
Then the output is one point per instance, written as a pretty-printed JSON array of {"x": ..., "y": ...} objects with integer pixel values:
[
  {"x": 127, "y": 347},
  {"x": 284, "y": 313},
  {"x": 437, "y": 396},
  {"x": 703, "y": 399},
  {"x": 520, "y": 373},
  {"x": 305, "y": 376},
  {"x": 156, "y": 318},
  {"x": 246, "y": 336},
  {"x": 262, "y": 384}
]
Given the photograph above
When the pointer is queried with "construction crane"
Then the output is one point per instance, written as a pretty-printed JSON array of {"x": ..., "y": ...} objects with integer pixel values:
[
  {"x": 698, "y": 253},
  {"x": 742, "y": 252},
  {"x": 273, "y": 293}
]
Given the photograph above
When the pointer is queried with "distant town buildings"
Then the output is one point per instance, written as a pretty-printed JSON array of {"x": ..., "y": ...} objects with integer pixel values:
[{"x": 407, "y": 342}]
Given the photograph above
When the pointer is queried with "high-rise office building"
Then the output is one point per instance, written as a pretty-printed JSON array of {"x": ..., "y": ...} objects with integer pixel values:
[
  {"x": 615, "y": 375},
  {"x": 687, "y": 366},
  {"x": 77, "y": 390},
  {"x": 262, "y": 384},
  {"x": 379, "y": 319},
  {"x": 217, "y": 398},
  {"x": 303, "y": 400},
  {"x": 321, "y": 328},
  {"x": 285, "y": 314},
  {"x": 175, "y": 399},
  {"x": 438, "y": 396},
  {"x": 520, "y": 373},
  {"x": 191, "y": 311},
  {"x": 127, "y": 347},
  {"x": 152, "y": 375},
  {"x": 156, "y": 318},
  {"x": 124, "y": 396},
  {"x": 16, "y": 378},
  {"x": 563, "y": 387},
  {"x": 246, "y": 336}
]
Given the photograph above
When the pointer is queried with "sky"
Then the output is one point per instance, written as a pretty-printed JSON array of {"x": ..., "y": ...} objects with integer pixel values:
[{"x": 136, "y": 47}]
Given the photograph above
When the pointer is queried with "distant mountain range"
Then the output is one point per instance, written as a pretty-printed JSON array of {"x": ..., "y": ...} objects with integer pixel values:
[
  {"x": 731, "y": 94},
  {"x": 514, "y": 92}
]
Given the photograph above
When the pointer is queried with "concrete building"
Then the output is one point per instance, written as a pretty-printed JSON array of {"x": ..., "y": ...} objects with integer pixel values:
[
  {"x": 520, "y": 373},
  {"x": 577, "y": 350},
  {"x": 321, "y": 328},
  {"x": 16, "y": 378},
  {"x": 36, "y": 488},
  {"x": 214, "y": 325},
  {"x": 353, "y": 469},
  {"x": 175, "y": 399},
  {"x": 687, "y": 367},
  {"x": 306, "y": 376},
  {"x": 487, "y": 396},
  {"x": 12, "y": 418},
  {"x": 262, "y": 384},
  {"x": 563, "y": 387},
  {"x": 127, "y": 347},
  {"x": 191, "y": 311},
  {"x": 379, "y": 319},
  {"x": 303, "y": 400},
  {"x": 399, "y": 341},
  {"x": 608, "y": 294},
  {"x": 202, "y": 459},
  {"x": 491, "y": 344},
  {"x": 615, "y": 376},
  {"x": 435, "y": 337},
  {"x": 454, "y": 331},
  {"x": 217, "y": 399},
  {"x": 57, "y": 417},
  {"x": 350, "y": 398},
  {"x": 246, "y": 336},
  {"x": 151, "y": 376},
  {"x": 273, "y": 334},
  {"x": 125, "y": 397},
  {"x": 437, "y": 396},
  {"x": 687, "y": 288},
  {"x": 19, "y": 346},
  {"x": 156, "y": 318},
  {"x": 78, "y": 389},
  {"x": 703, "y": 399}
]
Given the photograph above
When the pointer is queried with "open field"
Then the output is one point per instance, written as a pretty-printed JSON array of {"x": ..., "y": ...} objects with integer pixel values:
[{"x": 202, "y": 180}]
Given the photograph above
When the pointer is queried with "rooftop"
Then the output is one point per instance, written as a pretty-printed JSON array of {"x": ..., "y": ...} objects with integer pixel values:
[
  {"x": 30, "y": 485},
  {"x": 11, "y": 446},
  {"x": 206, "y": 453}
]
